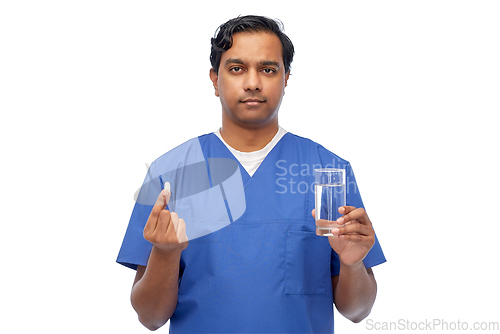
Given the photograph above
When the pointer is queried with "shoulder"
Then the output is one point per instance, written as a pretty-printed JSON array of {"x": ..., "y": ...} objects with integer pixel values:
[
  {"x": 318, "y": 150},
  {"x": 189, "y": 152}
]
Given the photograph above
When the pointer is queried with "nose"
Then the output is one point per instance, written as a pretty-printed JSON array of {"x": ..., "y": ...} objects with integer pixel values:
[{"x": 252, "y": 81}]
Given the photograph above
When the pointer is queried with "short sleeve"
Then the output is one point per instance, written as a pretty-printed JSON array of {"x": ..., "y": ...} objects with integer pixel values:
[{"x": 135, "y": 250}]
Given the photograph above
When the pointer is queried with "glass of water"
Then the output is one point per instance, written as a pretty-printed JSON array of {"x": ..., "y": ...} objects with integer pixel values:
[{"x": 330, "y": 195}]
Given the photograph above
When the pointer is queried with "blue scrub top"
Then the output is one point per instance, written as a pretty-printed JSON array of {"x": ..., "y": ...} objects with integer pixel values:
[{"x": 257, "y": 267}]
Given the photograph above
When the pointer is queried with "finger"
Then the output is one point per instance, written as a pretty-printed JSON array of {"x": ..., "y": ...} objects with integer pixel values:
[
  {"x": 358, "y": 214},
  {"x": 150, "y": 226},
  {"x": 350, "y": 222},
  {"x": 327, "y": 223},
  {"x": 346, "y": 209},
  {"x": 313, "y": 212},
  {"x": 181, "y": 234},
  {"x": 353, "y": 237},
  {"x": 160, "y": 202},
  {"x": 356, "y": 228},
  {"x": 163, "y": 222},
  {"x": 175, "y": 221},
  {"x": 365, "y": 242},
  {"x": 155, "y": 213}
]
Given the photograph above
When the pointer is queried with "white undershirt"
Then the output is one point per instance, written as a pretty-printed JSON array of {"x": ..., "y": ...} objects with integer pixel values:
[{"x": 252, "y": 160}]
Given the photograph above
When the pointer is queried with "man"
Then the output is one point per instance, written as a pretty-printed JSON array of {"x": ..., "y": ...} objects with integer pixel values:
[{"x": 261, "y": 268}]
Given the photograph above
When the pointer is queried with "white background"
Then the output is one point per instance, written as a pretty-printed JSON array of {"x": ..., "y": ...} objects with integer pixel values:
[{"x": 91, "y": 91}]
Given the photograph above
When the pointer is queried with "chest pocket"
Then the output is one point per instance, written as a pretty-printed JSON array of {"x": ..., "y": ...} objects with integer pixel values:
[{"x": 307, "y": 263}]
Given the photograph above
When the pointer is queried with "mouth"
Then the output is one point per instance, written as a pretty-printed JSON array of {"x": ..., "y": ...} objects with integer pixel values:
[{"x": 253, "y": 101}]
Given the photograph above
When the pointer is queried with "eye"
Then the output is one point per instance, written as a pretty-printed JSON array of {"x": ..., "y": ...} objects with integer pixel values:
[
  {"x": 269, "y": 70},
  {"x": 235, "y": 69}
]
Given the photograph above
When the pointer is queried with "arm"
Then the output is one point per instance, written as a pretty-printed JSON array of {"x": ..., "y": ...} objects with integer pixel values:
[
  {"x": 354, "y": 292},
  {"x": 355, "y": 288},
  {"x": 154, "y": 293}
]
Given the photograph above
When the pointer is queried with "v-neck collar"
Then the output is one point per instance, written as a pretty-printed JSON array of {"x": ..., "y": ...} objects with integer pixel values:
[{"x": 246, "y": 176}]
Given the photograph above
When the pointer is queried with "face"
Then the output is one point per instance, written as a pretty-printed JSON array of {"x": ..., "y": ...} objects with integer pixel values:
[{"x": 251, "y": 80}]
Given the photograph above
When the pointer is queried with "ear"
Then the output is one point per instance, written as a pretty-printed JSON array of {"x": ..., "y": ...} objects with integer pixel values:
[
  {"x": 287, "y": 75},
  {"x": 214, "y": 77}
]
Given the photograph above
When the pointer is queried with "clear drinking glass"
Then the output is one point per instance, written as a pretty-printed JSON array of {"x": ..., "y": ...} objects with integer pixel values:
[{"x": 330, "y": 195}]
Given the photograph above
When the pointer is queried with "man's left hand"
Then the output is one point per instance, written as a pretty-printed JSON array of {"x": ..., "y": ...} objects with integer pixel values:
[{"x": 353, "y": 235}]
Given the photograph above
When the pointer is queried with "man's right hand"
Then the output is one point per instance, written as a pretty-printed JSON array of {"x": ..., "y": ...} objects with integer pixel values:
[
  {"x": 164, "y": 229},
  {"x": 155, "y": 289}
]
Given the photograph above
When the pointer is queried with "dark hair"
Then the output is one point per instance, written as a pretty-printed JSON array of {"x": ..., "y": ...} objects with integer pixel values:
[{"x": 223, "y": 39}]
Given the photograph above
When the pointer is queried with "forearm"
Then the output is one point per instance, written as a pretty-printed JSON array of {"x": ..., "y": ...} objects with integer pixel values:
[
  {"x": 355, "y": 292},
  {"x": 154, "y": 296}
]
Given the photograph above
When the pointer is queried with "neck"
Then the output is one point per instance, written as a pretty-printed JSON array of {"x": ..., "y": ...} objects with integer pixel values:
[{"x": 248, "y": 139}]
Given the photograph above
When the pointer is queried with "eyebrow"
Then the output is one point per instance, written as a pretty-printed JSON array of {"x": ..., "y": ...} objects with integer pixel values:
[
  {"x": 262, "y": 63},
  {"x": 234, "y": 61}
]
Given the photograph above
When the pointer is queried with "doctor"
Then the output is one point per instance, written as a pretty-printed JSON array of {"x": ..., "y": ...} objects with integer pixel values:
[{"x": 247, "y": 277}]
